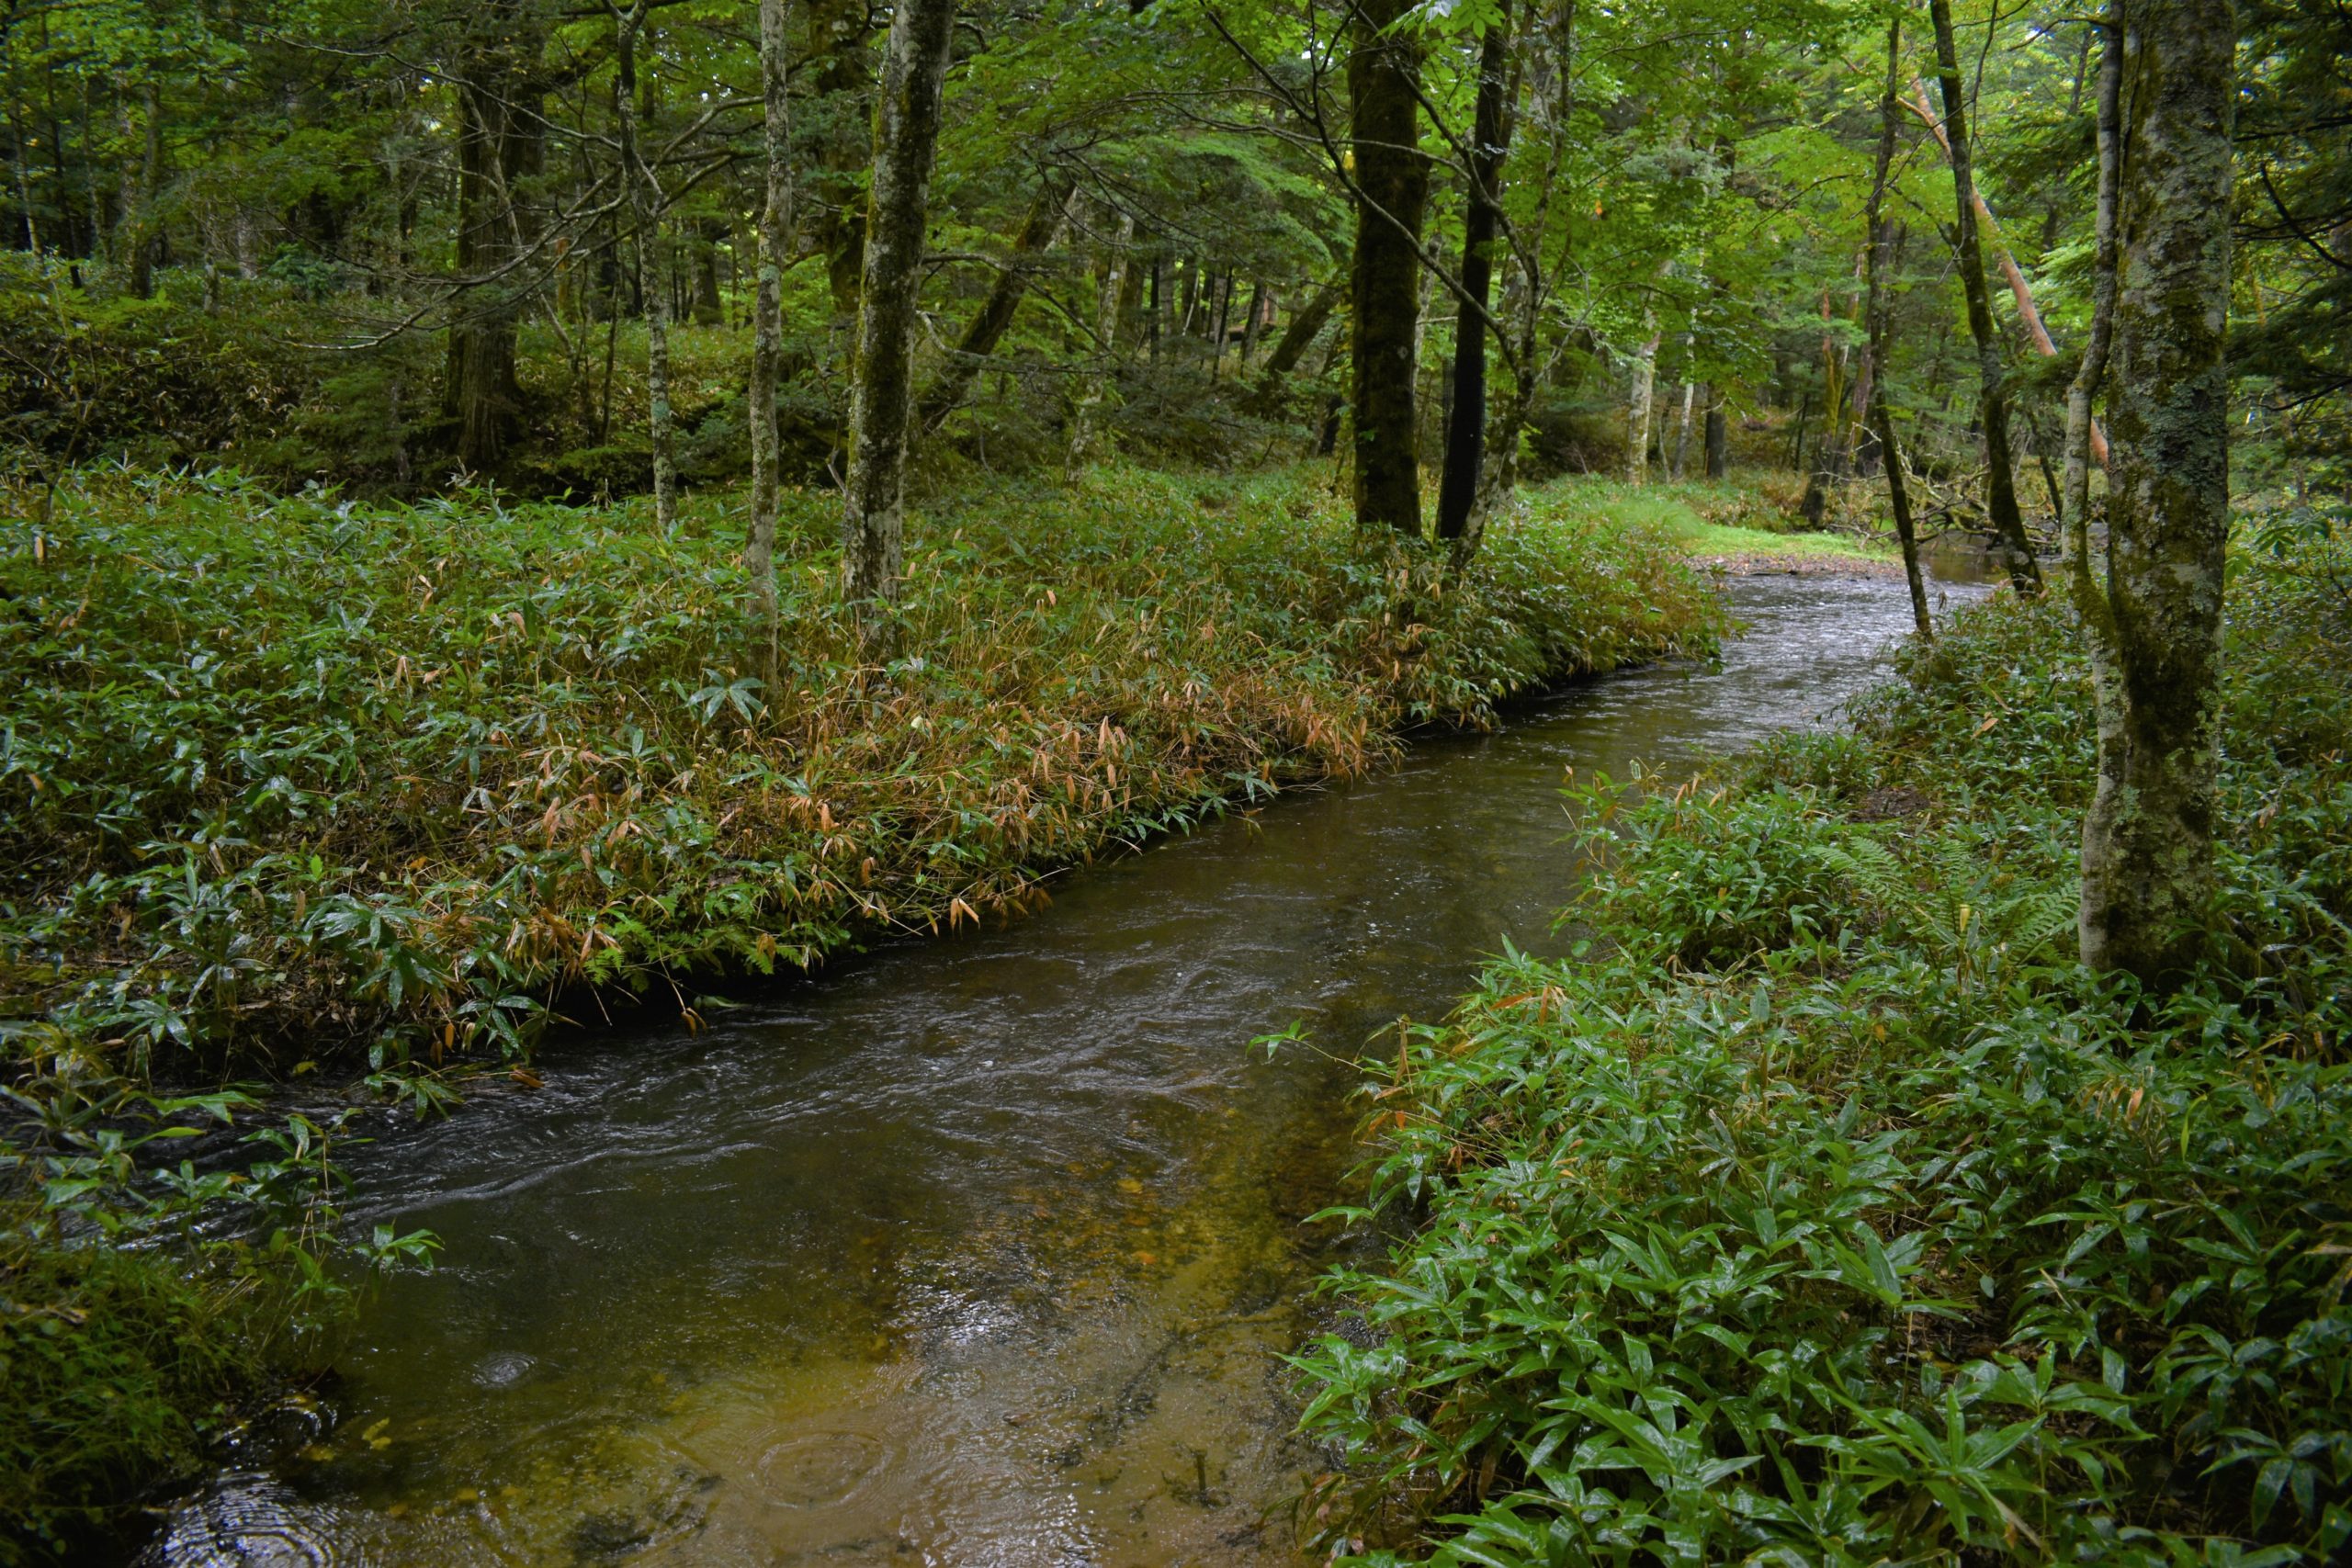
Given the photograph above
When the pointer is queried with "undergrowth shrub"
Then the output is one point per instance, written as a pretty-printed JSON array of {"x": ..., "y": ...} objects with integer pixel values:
[
  {"x": 1823, "y": 1210},
  {"x": 279, "y": 772}
]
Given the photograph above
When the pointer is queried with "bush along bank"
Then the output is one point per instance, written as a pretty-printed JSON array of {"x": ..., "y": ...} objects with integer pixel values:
[
  {"x": 1823, "y": 1210},
  {"x": 289, "y": 780}
]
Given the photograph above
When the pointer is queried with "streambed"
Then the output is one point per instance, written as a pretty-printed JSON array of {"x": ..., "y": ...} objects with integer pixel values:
[{"x": 978, "y": 1251}]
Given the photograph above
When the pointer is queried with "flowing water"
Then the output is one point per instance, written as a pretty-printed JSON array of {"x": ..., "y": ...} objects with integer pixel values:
[{"x": 978, "y": 1251}]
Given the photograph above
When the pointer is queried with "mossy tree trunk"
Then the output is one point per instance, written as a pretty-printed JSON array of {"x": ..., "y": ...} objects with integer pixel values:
[
  {"x": 1049, "y": 217},
  {"x": 1392, "y": 179},
  {"x": 1465, "y": 436},
  {"x": 2000, "y": 480},
  {"x": 768, "y": 319},
  {"x": 906, "y": 134},
  {"x": 2148, "y": 837}
]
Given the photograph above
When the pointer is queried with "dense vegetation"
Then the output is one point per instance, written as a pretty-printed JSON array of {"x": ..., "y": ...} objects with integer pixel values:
[
  {"x": 1825, "y": 1210},
  {"x": 289, "y": 777},
  {"x": 512, "y": 505}
]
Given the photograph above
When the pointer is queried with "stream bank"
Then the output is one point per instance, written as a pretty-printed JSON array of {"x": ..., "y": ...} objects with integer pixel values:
[{"x": 987, "y": 1250}]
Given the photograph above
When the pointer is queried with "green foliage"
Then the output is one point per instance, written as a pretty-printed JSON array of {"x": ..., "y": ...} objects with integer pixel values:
[
  {"x": 1824, "y": 1211},
  {"x": 282, "y": 770},
  {"x": 141, "y": 1300}
]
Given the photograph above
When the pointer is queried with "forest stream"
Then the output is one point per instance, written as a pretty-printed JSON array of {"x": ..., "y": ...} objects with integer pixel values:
[{"x": 976, "y": 1251}]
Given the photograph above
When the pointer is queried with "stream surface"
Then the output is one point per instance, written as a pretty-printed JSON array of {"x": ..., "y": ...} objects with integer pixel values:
[{"x": 974, "y": 1251}]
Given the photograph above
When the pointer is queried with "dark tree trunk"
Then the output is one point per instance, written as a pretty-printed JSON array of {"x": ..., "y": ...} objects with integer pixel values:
[
  {"x": 1718, "y": 436},
  {"x": 501, "y": 145},
  {"x": 1048, "y": 215},
  {"x": 2000, "y": 480},
  {"x": 1465, "y": 436},
  {"x": 906, "y": 133},
  {"x": 1878, "y": 322},
  {"x": 1384, "y": 69},
  {"x": 2148, "y": 873},
  {"x": 706, "y": 310}
]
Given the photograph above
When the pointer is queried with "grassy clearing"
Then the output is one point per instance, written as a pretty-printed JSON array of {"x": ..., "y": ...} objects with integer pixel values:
[
  {"x": 1824, "y": 1211},
  {"x": 1743, "y": 523}
]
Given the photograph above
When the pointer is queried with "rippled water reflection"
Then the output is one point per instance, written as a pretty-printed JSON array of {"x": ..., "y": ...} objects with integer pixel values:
[{"x": 978, "y": 1252}]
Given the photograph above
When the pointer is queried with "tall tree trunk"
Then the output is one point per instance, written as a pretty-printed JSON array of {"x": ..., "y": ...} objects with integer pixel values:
[
  {"x": 1878, "y": 315},
  {"x": 1466, "y": 436},
  {"x": 1640, "y": 386},
  {"x": 1718, "y": 435},
  {"x": 1392, "y": 176},
  {"x": 645, "y": 204},
  {"x": 2148, "y": 837},
  {"x": 767, "y": 322},
  {"x": 1048, "y": 216},
  {"x": 2000, "y": 479},
  {"x": 501, "y": 136},
  {"x": 1106, "y": 344},
  {"x": 150, "y": 165},
  {"x": 906, "y": 133},
  {"x": 1249, "y": 320}
]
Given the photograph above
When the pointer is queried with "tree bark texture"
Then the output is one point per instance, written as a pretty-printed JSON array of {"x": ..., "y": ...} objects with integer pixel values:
[
  {"x": 2148, "y": 837},
  {"x": 1392, "y": 175},
  {"x": 1641, "y": 386},
  {"x": 906, "y": 134},
  {"x": 501, "y": 136},
  {"x": 1718, "y": 435},
  {"x": 1878, "y": 316},
  {"x": 1083, "y": 417},
  {"x": 646, "y": 203},
  {"x": 767, "y": 316},
  {"x": 1048, "y": 216},
  {"x": 1465, "y": 436},
  {"x": 2000, "y": 479}
]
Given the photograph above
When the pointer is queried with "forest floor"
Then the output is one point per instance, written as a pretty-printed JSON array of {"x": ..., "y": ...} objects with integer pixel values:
[
  {"x": 1823, "y": 1208},
  {"x": 289, "y": 782}
]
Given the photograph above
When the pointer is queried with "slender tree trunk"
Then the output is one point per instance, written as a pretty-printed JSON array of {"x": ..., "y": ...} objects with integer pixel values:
[
  {"x": 1641, "y": 385},
  {"x": 1466, "y": 436},
  {"x": 2000, "y": 479},
  {"x": 906, "y": 133},
  {"x": 1106, "y": 344},
  {"x": 2148, "y": 873},
  {"x": 2019, "y": 291},
  {"x": 1384, "y": 68},
  {"x": 1718, "y": 440},
  {"x": 1682, "y": 430},
  {"x": 767, "y": 322},
  {"x": 1878, "y": 313},
  {"x": 645, "y": 203},
  {"x": 151, "y": 166},
  {"x": 1040, "y": 232},
  {"x": 1218, "y": 330}
]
